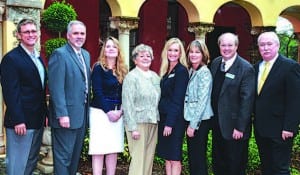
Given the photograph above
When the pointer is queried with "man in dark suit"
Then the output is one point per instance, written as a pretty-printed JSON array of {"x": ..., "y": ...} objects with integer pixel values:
[
  {"x": 23, "y": 80},
  {"x": 69, "y": 72},
  {"x": 277, "y": 106},
  {"x": 232, "y": 102}
]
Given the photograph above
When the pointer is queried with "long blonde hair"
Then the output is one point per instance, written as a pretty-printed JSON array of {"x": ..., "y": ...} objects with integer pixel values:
[
  {"x": 164, "y": 55},
  {"x": 121, "y": 69}
]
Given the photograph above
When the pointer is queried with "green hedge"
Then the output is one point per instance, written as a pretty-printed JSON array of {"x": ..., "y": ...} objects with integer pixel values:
[
  {"x": 57, "y": 16},
  {"x": 52, "y": 44}
]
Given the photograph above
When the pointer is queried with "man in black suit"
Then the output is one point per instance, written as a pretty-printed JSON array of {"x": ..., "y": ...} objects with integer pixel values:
[
  {"x": 23, "y": 80},
  {"x": 277, "y": 106},
  {"x": 232, "y": 102}
]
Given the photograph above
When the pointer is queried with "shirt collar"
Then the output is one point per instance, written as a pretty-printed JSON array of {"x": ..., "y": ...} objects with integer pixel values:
[
  {"x": 34, "y": 53},
  {"x": 272, "y": 61},
  {"x": 75, "y": 50},
  {"x": 229, "y": 62},
  {"x": 145, "y": 73}
]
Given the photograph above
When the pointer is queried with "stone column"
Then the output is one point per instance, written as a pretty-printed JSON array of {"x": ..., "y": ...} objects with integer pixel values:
[
  {"x": 297, "y": 34},
  {"x": 2, "y": 142},
  {"x": 200, "y": 29},
  {"x": 124, "y": 25}
]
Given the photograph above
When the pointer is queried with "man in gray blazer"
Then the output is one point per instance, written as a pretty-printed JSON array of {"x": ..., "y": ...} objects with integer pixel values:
[
  {"x": 69, "y": 72},
  {"x": 232, "y": 102}
]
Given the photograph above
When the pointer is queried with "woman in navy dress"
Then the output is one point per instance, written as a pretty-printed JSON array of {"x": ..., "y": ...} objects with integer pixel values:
[
  {"x": 171, "y": 126},
  {"x": 106, "y": 124}
]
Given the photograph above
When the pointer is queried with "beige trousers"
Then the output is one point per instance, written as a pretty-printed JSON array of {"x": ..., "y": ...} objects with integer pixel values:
[{"x": 142, "y": 151}]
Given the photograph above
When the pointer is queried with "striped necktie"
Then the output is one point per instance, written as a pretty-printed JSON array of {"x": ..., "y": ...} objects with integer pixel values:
[{"x": 81, "y": 60}]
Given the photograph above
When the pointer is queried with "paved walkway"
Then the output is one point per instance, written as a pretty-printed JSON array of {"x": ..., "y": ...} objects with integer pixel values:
[{"x": 2, "y": 168}]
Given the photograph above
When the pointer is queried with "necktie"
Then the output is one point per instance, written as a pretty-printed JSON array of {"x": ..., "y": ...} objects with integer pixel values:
[
  {"x": 81, "y": 60},
  {"x": 263, "y": 76},
  {"x": 222, "y": 68},
  {"x": 39, "y": 66}
]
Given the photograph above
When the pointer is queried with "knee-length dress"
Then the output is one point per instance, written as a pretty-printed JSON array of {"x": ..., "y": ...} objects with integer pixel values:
[
  {"x": 105, "y": 136},
  {"x": 173, "y": 88}
]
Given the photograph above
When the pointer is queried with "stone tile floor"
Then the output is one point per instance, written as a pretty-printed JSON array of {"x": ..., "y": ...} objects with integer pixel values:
[{"x": 2, "y": 168}]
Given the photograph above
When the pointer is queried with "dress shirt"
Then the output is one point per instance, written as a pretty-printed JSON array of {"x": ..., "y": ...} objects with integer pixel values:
[
  {"x": 262, "y": 66},
  {"x": 37, "y": 62},
  {"x": 228, "y": 63}
]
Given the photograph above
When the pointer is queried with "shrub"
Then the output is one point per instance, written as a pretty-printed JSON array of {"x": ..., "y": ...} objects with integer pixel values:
[
  {"x": 57, "y": 16},
  {"x": 52, "y": 44},
  {"x": 85, "y": 147}
]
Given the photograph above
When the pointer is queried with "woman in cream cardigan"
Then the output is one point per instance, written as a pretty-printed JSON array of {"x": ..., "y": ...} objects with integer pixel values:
[
  {"x": 140, "y": 97},
  {"x": 197, "y": 106}
]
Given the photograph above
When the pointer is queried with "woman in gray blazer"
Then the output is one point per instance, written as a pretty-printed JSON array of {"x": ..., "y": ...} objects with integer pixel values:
[
  {"x": 197, "y": 106},
  {"x": 140, "y": 97}
]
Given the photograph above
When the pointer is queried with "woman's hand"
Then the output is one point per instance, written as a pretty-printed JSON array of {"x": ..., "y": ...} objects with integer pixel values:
[
  {"x": 167, "y": 131},
  {"x": 135, "y": 135},
  {"x": 114, "y": 115},
  {"x": 190, "y": 131}
]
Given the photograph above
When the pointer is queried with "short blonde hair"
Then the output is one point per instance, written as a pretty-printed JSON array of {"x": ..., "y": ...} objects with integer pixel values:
[
  {"x": 234, "y": 36},
  {"x": 164, "y": 55},
  {"x": 142, "y": 48}
]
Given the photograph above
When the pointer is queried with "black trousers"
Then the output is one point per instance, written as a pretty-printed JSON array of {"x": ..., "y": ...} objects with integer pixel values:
[
  {"x": 230, "y": 157},
  {"x": 197, "y": 147},
  {"x": 275, "y": 155}
]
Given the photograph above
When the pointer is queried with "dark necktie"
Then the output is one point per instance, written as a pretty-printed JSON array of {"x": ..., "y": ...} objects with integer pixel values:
[{"x": 222, "y": 67}]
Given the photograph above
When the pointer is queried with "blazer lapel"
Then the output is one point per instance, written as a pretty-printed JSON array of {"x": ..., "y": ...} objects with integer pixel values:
[
  {"x": 193, "y": 74},
  {"x": 75, "y": 58},
  {"x": 256, "y": 68},
  {"x": 215, "y": 67},
  {"x": 45, "y": 72},
  {"x": 31, "y": 64}
]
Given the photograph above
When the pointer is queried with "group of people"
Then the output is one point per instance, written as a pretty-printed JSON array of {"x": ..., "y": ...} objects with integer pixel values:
[{"x": 190, "y": 96}]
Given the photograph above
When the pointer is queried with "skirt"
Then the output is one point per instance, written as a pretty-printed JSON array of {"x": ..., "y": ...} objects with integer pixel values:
[{"x": 106, "y": 137}]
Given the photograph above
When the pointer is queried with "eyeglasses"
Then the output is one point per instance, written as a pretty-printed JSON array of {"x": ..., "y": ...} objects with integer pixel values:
[{"x": 27, "y": 32}]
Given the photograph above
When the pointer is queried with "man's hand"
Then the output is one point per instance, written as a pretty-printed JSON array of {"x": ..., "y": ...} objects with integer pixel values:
[
  {"x": 237, "y": 134},
  {"x": 286, "y": 134},
  {"x": 64, "y": 121}
]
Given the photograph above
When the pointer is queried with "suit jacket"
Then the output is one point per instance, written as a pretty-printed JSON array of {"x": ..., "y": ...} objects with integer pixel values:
[
  {"x": 197, "y": 104},
  {"x": 236, "y": 97},
  {"x": 67, "y": 86},
  {"x": 173, "y": 88},
  {"x": 23, "y": 92},
  {"x": 277, "y": 107}
]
